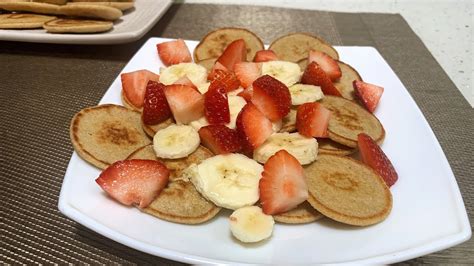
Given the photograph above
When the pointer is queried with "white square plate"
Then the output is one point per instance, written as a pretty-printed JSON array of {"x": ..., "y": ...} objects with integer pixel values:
[
  {"x": 130, "y": 27},
  {"x": 428, "y": 212}
]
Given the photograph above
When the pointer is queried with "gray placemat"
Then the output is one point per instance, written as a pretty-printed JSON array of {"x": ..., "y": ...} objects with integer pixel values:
[{"x": 43, "y": 85}]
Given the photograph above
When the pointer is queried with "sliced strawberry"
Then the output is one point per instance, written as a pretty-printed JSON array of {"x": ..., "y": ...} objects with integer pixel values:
[
  {"x": 246, "y": 93},
  {"x": 220, "y": 139},
  {"x": 373, "y": 156},
  {"x": 217, "y": 66},
  {"x": 216, "y": 104},
  {"x": 271, "y": 97},
  {"x": 134, "y": 181},
  {"x": 253, "y": 127},
  {"x": 227, "y": 78},
  {"x": 134, "y": 85},
  {"x": 174, "y": 52},
  {"x": 312, "y": 120},
  {"x": 282, "y": 186},
  {"x": 315, "y": 75},
  {"x": 185, "y": 103},
  {"x": 234, "y": 53},
  {"x": 155, "y": 106},
  {"x": 265, "y": 56},
  {"x": 327, "y": 63},
  {"x": 368, "y": 94},
  {"x": 247, "y": 72}
]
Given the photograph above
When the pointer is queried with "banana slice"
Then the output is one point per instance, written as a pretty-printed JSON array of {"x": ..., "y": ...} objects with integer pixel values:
[
  {"x": 175, "y": 141},
  {"x": 289, "y": 122},
  {"x": 203, "y": 87},
  {"x": 276, "y": 126},
  {"x": 236, "y": 103},
  {"x": 196, "y": 73},
  {"x": 235, "y": 92},
  {"x": 287, "y": 72},
  {"x": 250, "y": 224},
  {"x": 302, "y": 93},
  {"x": 304, "y": 149},
  {"x": 201, "y": 122},
  {"x": 228, "y": 180}
]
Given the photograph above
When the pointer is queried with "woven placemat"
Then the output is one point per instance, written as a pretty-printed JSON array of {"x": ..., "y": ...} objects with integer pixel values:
[{"x": 43, "y": 85}]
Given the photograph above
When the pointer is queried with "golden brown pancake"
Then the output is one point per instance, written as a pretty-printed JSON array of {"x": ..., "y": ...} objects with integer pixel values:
[
  {"x": 23, "y": 21},
  {"x": 77, "y": 26},
  {"x": 179, "y": 202},
  {"x": 104, "y": 134},
  {"x": 41, "y": 8},
  {"x": 151, "y": 130},
  {"x": 327, "y": 146},
  {"x": 348, "y": 119},
  {"x": 214, "y": 43},
  {"x": 296, "y": 46},
  {"x": 208, "y": 63},
  {"x": 347, "y": 191},
  {"x": 303, "y": 213},
  {"x": 119, "y": 5},
  {"x": 91, "y": 11},
  {"x": 54, "y": 2}
]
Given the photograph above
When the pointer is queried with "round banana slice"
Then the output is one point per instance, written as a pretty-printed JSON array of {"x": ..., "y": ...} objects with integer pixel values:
[
  {"x": 304, "y": 149},
  {"x": 303, "y": 93},
  {"x": 175, "y": 141},
  {"x": 250, "y": 224},
  {"x": 196, "y": 73},
  {"x": 203, "y": 87},
  {"x": 228, "y": 180},
  {"x": 288, "y": 73}
]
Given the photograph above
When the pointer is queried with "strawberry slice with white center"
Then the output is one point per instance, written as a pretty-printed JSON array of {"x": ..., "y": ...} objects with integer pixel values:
[
  {"x": 327, "y": 63},
  {"x": 246, "y": 94},
  {"x": 134, "y": 181},
  {"x": 271, "y": 97},
  {"x": 247, "y": 72},
  {"x": 227, "y": 78},
  {"x": 368, "y": 94},
  {"x": 282, "y": 186},
  {"x": 253, "y": 127},
  {"x": 184, "y": 80},
  {"x": 373, "y": 156},
  {"x": 315, "y": 75},
  {"x": 220, "y": 139},
  {"x": 217, "y": 66},
  {"x": 186, "y": 103},
  {"x": 265, "y": 56},
  {"x": 216, "y": 104},
  {"x": 155, "y": 106},
  {"x": 134, "y": 85},
  {"x": 174, "y": 52},
  {"x": 312, "y": 120},
  {"x": 234, "y": 53}
]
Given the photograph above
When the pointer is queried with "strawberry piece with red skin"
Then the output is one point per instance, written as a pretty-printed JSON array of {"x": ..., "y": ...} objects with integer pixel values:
[
  {"x": 373, "y": 156},
  {"x": 217, "y": 66},
  {"x": 134, "y": 181},
  {"x": 368, "y": 94},
  {"x": 246, "y": 94},
  {"x": 282, "y": 186},
  {"x": 247, "y": 72},
  {"x": 155, "y": 106},
  {"x": 174, "y": 52},
  {"x": 265, "y": 56},
  {"x": 312, "y": 120},
  {"x": 315, "y": 75},
  {"x": 134, "y": 85},
  {"x": 186, "y": 103},
  {"x": 234, "y": 53},
  {"x": 271, "y": 97},
  {"x": 184, "y": 80},
  {"x": 227, "y": 78},
  {"x": 220, "y": 139},
  {"x": 216, "y": 104},
  {"x": 327, "y": 63},
  {"x": 253, "y": 127}
]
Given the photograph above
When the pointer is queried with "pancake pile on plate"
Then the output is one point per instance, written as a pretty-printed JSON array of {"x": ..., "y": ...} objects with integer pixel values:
[
  {"x": 63, "y": 16},
  {"x": 270, "y": 134}
]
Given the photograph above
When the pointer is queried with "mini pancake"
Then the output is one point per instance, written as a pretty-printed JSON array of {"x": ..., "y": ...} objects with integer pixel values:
[
  {"x": 77, "y": 26},
  {"x": 91, "y": 11},
  {"x": 54, "y": 2},
  {"x": 179, "y": 202},
  {"x": 344, "y": 84},
  {"x": 104, "y": 134},
  {"x": 151, "y": 130},
  {"x": 296, "y": 46},
  {"x": 214, "y": 43},
  {"x": 327, "y": 146},
  {"x": 303, "y": 213},
  {"x": 208, "y": 63},
  {"x": 119, "y": 5},
  {"x": 23, "y": 21},
  {"x": 41, "y": 8},
  {"x": 348, "y": 119},
  {"x": 289, "y": 122},
  {"x": 347, "y": 191},
  {"x": 92, "y": 1}
]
